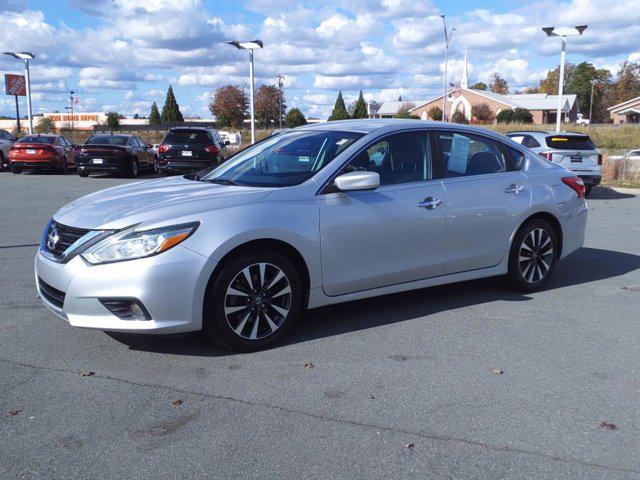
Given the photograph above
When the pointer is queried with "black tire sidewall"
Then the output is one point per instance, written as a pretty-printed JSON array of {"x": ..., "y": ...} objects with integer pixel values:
[
  {"x": 514, "y": 276},
  {"x": 214, "y": 320}
]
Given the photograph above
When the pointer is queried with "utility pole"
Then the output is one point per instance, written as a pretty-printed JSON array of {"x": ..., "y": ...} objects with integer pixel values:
[
  {"x": 447, "y": 38},
  {"x": 593, "y": 84},
  {"x": 71, "y": 92},
  {"x": 280, "y": 85}
]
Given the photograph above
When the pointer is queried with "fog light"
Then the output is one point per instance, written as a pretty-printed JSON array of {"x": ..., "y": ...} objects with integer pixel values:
[{"x": 126, "y": 308}]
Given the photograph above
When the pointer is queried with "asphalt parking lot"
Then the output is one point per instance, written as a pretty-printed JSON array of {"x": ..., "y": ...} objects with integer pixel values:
[{"x": 401, "y": 386}]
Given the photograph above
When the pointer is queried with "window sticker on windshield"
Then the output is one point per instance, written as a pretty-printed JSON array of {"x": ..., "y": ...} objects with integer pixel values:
[
  {"x": 458, "y": 154},
  {"x": 303, "y": 159},
  {"x": 342, "y": 141}
]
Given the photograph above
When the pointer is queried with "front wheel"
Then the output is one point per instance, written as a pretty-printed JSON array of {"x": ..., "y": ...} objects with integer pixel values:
[
  {"x": 587, "y": 190},
  {"x": 15, "y": 170},
  {"x": 533, "y": 256},
  {"x": 253, "y": 301}
]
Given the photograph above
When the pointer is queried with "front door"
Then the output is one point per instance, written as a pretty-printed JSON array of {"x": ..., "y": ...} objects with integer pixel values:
[
  {"x": 487, "y": 196},
  {"x": 391, "y": 235}
]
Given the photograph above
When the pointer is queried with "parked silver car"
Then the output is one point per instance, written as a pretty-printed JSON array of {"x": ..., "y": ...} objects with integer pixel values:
[
  {"x": 574, "y": 151},
  {"x": 322, "y": 214},
  {"x": 6, "y": 140}
]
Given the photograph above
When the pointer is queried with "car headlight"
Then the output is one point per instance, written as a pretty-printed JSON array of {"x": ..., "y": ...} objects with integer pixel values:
[{"x": 130, "y": 244}]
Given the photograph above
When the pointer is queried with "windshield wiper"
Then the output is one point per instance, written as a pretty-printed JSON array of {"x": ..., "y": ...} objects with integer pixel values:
[{"x": 220, "y": 181}]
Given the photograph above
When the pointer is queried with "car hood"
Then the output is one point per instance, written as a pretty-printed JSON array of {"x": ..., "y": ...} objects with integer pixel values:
[{"x": 152, "y": 200}]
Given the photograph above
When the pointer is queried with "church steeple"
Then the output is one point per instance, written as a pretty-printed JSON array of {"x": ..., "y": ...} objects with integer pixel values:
[{"x": 464, "y": 82}]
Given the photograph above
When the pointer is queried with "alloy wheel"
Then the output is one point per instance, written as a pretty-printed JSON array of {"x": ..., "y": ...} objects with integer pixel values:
[
  {"x": 257, "y": 301},
  {"x": 536, "y": 255}
]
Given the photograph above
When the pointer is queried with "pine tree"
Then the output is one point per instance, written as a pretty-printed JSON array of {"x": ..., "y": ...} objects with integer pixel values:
[
  {"x": 154, "y": 116},
  {"x": 361, "y": 107},
  {"x": 171, "y": 110},
  {"x": 294, "y": 118},
  {"x": 339, "y": 109}
]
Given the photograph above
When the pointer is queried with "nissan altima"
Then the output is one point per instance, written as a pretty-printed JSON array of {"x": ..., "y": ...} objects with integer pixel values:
[{"x": 317, "y": 215}]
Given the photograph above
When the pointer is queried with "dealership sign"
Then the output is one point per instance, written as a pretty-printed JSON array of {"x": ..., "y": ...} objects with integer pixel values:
[{"x": 15, "y": 84}]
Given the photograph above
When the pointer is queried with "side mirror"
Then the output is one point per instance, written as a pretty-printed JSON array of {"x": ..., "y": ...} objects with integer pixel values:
[{"x": 357, "y": 181}]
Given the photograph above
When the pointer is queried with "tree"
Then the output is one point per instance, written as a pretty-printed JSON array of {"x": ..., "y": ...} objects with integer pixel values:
[
  {"x": 361, "y": 108},
  {"x": 136, "y": 116},
  {"x": 549, "y": 85},
  {"x": 229, "y": 104},
  {"x": 627, "y": 85},
  {"x": 45, "y": 125},
  {"x": 405, "y": 111},
  {"x": 113, "y": 120},
  {"x": 435, "y": 113},
  {"x": 482, "y": 113},
  {"x": 267, "y": 105},
  {"x": 505, "y": 116},
  {"x": 339, "y": 109},
  {"x": 459, "y": 117},
  {"x": 479, "y": 86},
  {"x": 580, "y": 84},
  {"x": 497, "y": 84},
  {"x": 154, "y": 116},
  {"x": 400, "y": 98},
  {"x": 171, "y": 110},
  {"x": 522, "y": 115},
  {"x": 294, "y": 118}
]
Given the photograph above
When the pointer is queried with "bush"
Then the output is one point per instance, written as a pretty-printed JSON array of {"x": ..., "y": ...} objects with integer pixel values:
[
  {"x": 113, "y": 120},
  {"x": 505, "y": 116},
  {"x": 522, "y": 115},
  {"x": 482, "y": 113},
  {"x": 435, "y": 113},
  {"x": 45, "y": 125},
  {"x": 458, "y": 117},
  {"x": 405, "y": 111}
]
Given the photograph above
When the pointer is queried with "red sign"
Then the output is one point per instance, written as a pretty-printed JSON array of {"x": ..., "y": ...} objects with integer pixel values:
[{"x": 15, "y": 84}]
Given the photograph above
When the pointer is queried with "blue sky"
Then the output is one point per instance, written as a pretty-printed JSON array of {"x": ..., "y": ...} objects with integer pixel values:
[{"x": 122, "y": 54}]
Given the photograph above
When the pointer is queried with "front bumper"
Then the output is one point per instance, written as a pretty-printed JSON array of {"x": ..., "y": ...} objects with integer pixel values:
[{"x": 170, "y": 286}]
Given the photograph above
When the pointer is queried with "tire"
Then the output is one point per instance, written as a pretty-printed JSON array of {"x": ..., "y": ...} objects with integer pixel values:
[
  {"x": 15, "y": 170},
  {"x": 2, "y": 161},
  {"x": 539, "y": 238},
  {"x": 156, "y": 167},
  {"x": 132, "y": 169},
  {"x": 229, "y": 319},
  {"x": 587, "y": 190},
  {"x": 63, "y": 166},
  {"x": 83, "y": 173}
]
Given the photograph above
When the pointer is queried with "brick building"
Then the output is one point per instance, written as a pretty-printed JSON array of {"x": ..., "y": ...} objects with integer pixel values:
[{"x": 626, "y": 112}]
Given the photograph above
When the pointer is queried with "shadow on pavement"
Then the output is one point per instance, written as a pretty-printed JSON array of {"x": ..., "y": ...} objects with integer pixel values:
[
  {"x": 606, "y": 193},
  {"x": 583, "y": 266}
]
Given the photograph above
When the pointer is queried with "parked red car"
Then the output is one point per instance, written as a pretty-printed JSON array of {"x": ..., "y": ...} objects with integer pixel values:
[{"x": 43, "y": 152}]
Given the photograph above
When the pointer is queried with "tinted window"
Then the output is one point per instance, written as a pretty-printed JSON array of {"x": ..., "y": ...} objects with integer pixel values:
[
  {"x": 517, "y": 158},
  {"x": 400, "y": 158},
  {"x": 466, "y": 154},
  {"x": 37, "y": 139},
  {"x": 187, "y": 137},
  {"x": 530, "y": 142},
  {"x": 283, "y": 160},
  {"x": 570, "y": 142},
  {"x": 107, "y": 140}
]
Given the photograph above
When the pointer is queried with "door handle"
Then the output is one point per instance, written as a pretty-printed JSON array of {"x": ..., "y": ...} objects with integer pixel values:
[
  {"x": 430, "y": 203},
  {"x": 513, "y": 188}
]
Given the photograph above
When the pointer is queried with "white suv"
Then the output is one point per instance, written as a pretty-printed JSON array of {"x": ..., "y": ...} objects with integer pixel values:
[{"x": 573, "y": 151}]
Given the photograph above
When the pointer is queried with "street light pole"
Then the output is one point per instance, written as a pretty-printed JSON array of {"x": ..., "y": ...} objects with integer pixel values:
[
  {"x": 250, "y": 45},
  {"x": 593, "y": 84},
  {"x": 71, "y": 92},
  {"x": 26, "y": 56},
  {"x": 563, "y": 33},
  {"x": 280, "y": 84},
  {"x": 447, "y": 38}
]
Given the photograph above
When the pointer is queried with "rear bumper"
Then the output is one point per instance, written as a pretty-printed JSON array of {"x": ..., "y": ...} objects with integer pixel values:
[
  {"x": 44, "y": 165},
  {"x": 591, "y": 179},
  {"x": 181, "y": 166},
  {"x": 87, "y": 167}
]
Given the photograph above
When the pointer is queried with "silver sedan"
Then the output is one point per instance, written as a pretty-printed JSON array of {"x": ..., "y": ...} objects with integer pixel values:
[{"x": 318, "y": 215}]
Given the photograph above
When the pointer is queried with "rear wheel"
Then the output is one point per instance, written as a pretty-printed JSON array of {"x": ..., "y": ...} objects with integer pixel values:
[
  {"x": 587, "y": 190},
  {"x": 533, "y": 256},
  {"x": 132, "y": 169},
  {"x": 15, "y": 170},
  {"x": 63, "y": 166},
  {"x": 2, "y": 161},
  {"x": 83, "y": 173},
  {"x": 253, "y": 301}
]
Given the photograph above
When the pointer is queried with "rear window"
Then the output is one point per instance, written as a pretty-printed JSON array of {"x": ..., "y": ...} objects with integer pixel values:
[
  {"x": 187, "y": 137},
  {"x": 570, "y": 142},
  {"x": 37, "y": 139},
  {"x": 107, "y": 140}
]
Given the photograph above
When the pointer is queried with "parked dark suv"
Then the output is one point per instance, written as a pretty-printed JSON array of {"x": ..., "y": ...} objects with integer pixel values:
[{"x": 189, "y": 149}]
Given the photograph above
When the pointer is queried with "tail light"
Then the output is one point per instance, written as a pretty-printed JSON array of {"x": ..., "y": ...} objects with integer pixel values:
[
  {"x": 163, "y": 148},
  {"x": 212, "y": 149},
  {"x": 599, "y": 159},
  {"x": 546, "y": 155},
  {"x": 576, "y": 184}
]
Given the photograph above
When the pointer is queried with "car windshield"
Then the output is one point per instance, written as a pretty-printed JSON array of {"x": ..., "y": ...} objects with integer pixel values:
[
  {"x": 37, "y": 139},
  {"x": 283, "y": 160},
  {"x": 187, "y": 137},
  {"x": 107, "y": 140},
  {"x": 570, "y": 142}
]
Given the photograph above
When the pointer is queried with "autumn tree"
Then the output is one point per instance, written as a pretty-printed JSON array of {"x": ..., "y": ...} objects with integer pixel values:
[
  {"x": 435, "y": 113},
  {"x": 482, "y": 113},
  {"x": 627, "y": 85},
  {"x": 497, "y": 84},
  {"x": 229, "y": 104},
  {"x": 294, "y": 118},
  {"x": 171, "y": 110},
  {"x": 479, "y": 86},
  {"x": 549, "y": 84},
  {"x": 339, "y": 109},
  {"x": 405, "y": 111},
  {"x": 267, "y": 105}
]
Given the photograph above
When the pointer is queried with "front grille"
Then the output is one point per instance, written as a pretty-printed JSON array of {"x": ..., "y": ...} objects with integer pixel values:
[
  {"x": 66, "y": 236},
  {"x": 53, "y": 296}
]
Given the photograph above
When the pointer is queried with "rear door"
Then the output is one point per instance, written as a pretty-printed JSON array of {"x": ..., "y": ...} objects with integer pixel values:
[
  {"x": 487, "y": 195},
  {"x": 387, "y": 236},
  {"x": 573, "y": 152}
]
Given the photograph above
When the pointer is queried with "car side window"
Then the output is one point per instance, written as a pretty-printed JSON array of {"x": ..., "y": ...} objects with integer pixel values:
[
  {"x": 529, "y": 141},
  {"x": 400, "y": 158},
  {"x": 465, "y": 154},
  {"x": 516, "y": 160}
]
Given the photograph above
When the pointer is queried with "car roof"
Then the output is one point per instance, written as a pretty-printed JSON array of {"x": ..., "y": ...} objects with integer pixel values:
[
  {"x": 192, "y": 128},
  {"x": 546, "y": 133}
]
